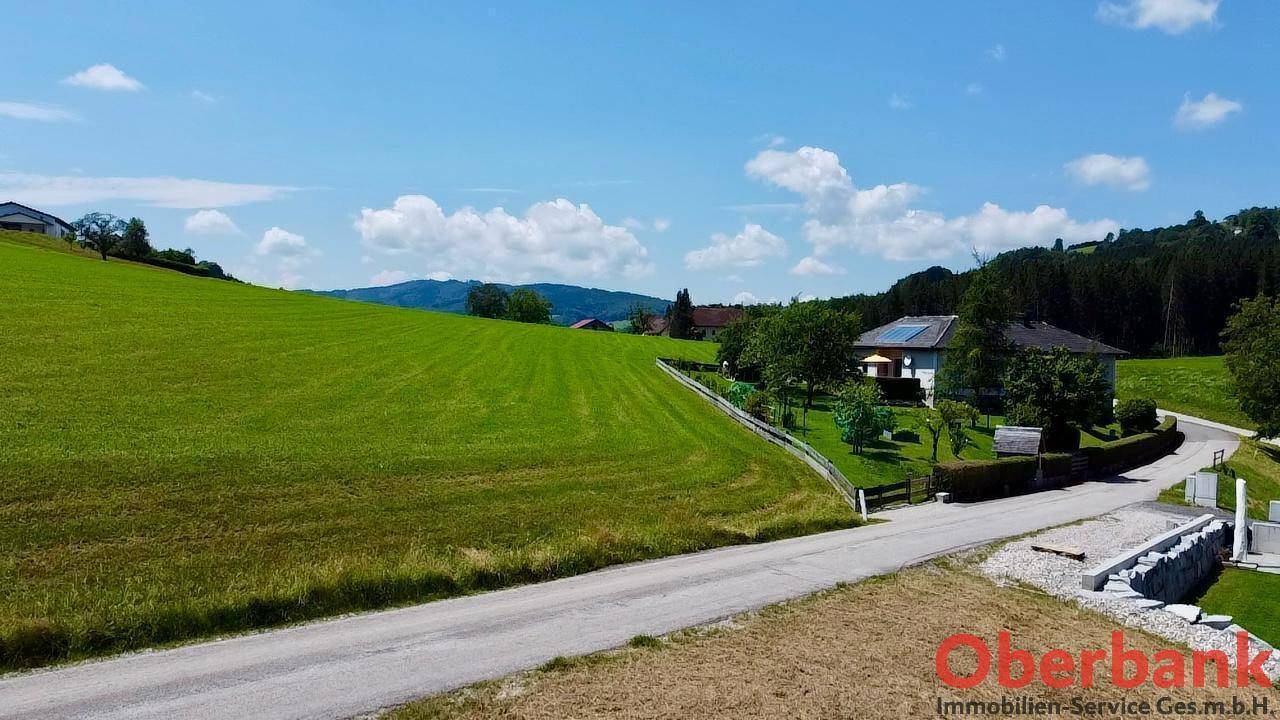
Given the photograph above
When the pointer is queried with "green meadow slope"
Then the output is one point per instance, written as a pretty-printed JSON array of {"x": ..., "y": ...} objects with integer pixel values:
[
  {"x": 182, "y": 456},
  {"x": 1199, "y": 386}
]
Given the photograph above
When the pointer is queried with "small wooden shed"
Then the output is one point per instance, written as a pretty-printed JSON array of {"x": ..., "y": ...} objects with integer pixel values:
[{"x": 1012, "y": 440}]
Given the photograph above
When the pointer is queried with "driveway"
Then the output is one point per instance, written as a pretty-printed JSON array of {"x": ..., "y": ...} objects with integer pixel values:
[{"x": 356, "y": 664}]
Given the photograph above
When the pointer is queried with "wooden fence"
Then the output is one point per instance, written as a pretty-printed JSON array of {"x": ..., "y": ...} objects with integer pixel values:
[
  {"x": 909, "y": 491},
  {"x": 795, "y": 446}
]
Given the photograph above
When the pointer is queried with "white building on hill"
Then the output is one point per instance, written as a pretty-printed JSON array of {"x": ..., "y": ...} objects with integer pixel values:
[{"x": 20, "y": 217}]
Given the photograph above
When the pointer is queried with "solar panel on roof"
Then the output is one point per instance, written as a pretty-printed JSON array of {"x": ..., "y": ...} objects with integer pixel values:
[{"x": 901, "y": 333}]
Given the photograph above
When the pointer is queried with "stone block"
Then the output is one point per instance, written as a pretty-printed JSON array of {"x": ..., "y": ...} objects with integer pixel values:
[
  {"x": 1190, "y": 613},
  {"x": 1217, "y": 622}
]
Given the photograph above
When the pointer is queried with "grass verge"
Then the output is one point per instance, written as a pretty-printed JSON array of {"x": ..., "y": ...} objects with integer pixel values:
[
  {"x": 1249, "y": 597},
  {"x": 864, "y": 650},
  {"x": 1258, "y": 463}
]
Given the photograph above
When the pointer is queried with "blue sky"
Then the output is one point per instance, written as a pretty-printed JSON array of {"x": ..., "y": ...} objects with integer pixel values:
[{"x": 739, "y": 149}]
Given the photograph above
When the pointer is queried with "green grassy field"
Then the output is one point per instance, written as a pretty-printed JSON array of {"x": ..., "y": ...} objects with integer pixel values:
[
  {"x": 1259, "y": 464},
  {"x": 182, "y": 456},
  {"x": 1249, "y": 597},
  {"x": 1197, "y": 386}
]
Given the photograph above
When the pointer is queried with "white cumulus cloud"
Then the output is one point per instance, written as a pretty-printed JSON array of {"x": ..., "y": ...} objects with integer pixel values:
[
  {"x": 880, "y": 220},
  {"x": 749, "y": 248},
  {"x": 104, "y": 77},
  {"x": 391, "y": 277},
  {"x": 555, "y": 238},
  {"x": 1127, "y": 173},
  {"x": 813, "y": 266},
  {"x": 35, "y": 111},
  {"x": 210, "y": 222},
  {"x": 744, "y": 298},
  {"x": 1170, "y": 16},
  {"x": 1203, "y": 113},
  {"x": 661, "y": 224},
  {"x": 167, "y": 192},
  {"x": 278, "y": 242}
]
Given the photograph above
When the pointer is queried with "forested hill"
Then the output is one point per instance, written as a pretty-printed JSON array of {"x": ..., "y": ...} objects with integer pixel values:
[
  {"x": 569, "y": 303},
  {"x": 1162, "y": 291}
]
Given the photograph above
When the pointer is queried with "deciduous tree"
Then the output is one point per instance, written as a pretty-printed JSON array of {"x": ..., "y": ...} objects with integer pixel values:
[
  {"x": 1056, "y": 390},
  {"x": 1251, "y": 342},
  {"x": 134, "y": 241},
  {"x": 487, "y": 300},
  {"x": 526, "y": 306},
  {"x": 99, "y": 231},
  {"x": 639, "y": 318}
]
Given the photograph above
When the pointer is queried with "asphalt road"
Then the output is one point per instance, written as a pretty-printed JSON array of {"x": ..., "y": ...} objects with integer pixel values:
[{"x": 357, "y": 664}]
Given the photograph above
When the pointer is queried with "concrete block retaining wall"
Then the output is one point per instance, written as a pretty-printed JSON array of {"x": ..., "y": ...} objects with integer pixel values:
[
  {"x": 1266, "y": 537},
  {"x": 1170, "y": 575}
]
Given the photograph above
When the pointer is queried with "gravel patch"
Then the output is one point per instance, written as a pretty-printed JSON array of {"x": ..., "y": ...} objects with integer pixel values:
[{"x": 1100, "y": 539}]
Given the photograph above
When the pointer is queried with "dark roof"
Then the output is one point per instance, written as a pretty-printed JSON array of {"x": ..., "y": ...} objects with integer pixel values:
[
  {"x": 1045, "y": 336},
  {"x": 587, "y": 323},
  {"x": 657, "y": 325},
  {"x": 1013, "y": 440},
  {"x": 716, "y": 317},
  {"x": 56, "y": 219},
  {"x": 939, "y": 329}
]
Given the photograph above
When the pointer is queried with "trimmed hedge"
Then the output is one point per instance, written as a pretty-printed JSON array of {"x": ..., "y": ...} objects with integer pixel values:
[
  {"x": 970, "y": 480},
  {"x": 984, "y": 479},
  {"x": 1134, "y": 450}
]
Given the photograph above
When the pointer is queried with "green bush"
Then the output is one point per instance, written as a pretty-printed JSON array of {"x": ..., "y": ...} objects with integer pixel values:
[
  {"x": 1064, "y": 438},
  {"x": 983, "y": 479},
  {"x": 1136, "y": 416},
  {"x": 1132, "y": 451},
  {"x": 970, "y": 480},
  {"x": 757, "y": 406},
  {"x": 739, "y": 392},
  {"x": 1056, "y": 465}
]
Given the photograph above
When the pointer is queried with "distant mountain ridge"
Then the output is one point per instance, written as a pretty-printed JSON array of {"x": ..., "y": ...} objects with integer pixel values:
[{"x": 569, "y": 303}]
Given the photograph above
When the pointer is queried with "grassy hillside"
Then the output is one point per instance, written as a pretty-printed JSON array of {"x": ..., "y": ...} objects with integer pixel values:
[
  {"x": 1256, "y": 462},
  {"x": 182, "y": 456},
  {"x": 1197, "y": 386}
]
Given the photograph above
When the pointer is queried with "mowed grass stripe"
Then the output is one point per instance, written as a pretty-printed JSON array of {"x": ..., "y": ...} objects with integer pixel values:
[
  {"x": 1199, "y": 386},
  {"x": 182, "y": 456}
]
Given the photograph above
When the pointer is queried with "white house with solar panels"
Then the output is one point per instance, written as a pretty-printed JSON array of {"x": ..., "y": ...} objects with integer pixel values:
[
  {"x": 26, "y": 219},
  {"x": 912, "y": 349}
]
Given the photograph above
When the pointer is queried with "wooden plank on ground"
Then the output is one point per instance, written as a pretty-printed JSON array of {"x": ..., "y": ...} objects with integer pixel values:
[{"x": 1070, "y": 551}]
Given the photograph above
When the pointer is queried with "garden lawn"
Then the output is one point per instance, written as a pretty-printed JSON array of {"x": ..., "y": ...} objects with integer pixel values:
[
  {"x": 182, "y": 456},
  {"x": 1199, "y": 386},
  {"x": 888, "y": 461},
  {"x": 1249, "y": 597},
  {"x": 1258, "y": 463}
]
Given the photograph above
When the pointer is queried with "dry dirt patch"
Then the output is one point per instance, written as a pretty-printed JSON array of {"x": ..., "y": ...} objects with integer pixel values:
[{"x": 863, "y": 651}]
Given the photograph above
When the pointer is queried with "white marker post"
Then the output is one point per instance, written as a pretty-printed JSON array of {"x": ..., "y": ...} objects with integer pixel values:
[
  {"x": 862, "y": 504},
  {"x": 1241, "y": 545}
]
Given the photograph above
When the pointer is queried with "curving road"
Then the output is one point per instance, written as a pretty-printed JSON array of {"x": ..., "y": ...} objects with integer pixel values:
[{"x": 357, "y": 664}]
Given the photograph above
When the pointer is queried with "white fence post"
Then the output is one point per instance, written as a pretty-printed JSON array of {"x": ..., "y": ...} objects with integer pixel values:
[
  {"x": 862, "y": 504},
  {"x": 1241, "y": 547}
]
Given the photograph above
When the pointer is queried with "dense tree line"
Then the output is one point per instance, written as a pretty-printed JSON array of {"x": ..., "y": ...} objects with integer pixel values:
[
  {"x": 1167, "y": 291},
  {"x": 109, "y": 235},
  {"x": 521, "y": 305}
]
